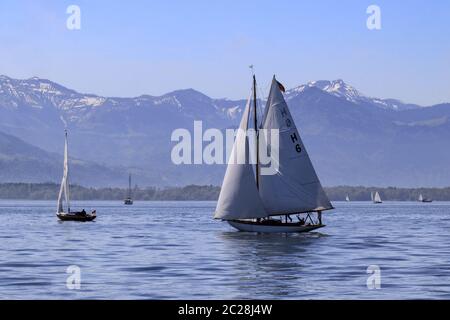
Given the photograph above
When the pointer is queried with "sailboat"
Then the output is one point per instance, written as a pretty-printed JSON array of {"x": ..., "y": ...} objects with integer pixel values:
[
  {"x": 422, "y": 199},
  {"x": 347, "y": 198},
  {"x": 376, "y": 198},
  {"x": 65, "y": 191},
  {"x": 254, "y": 202},
  {"x": 128, "y": 200}
]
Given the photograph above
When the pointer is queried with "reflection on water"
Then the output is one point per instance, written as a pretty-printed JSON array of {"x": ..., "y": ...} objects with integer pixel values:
[
  {"x": 171, "y": 250},
  {"x": 271, "y": 264}
]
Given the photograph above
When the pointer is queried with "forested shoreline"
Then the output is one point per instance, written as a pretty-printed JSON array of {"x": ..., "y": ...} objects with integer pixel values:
[{"x": 49, "y": 191}]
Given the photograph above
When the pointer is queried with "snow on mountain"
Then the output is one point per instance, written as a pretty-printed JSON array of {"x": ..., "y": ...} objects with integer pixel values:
[
  {"x": 41, "y": 94},
  {"x": 337, "y": 87},
  {"x": 136, "y": 132},
  {"x": 341, "y": 89}
]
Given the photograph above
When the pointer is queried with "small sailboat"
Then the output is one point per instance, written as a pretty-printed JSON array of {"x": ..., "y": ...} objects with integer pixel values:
[
  {"x": 128, "y": 200},
  {"x": 65, "y": 191},
  {"x": 426, "y": 200},
  {"x": 347, "y": 198},
  {"x": 255, "y": 202},
  {"x": 376, "y": 198}
]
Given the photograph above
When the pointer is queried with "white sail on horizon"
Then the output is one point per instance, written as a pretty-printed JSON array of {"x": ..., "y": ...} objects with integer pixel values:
[
  {"x": 295, "y": 187},
  {"x": 377, "y": 198}
]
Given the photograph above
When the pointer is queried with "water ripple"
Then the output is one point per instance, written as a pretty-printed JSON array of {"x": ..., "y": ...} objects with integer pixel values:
[{"x": 173, "y": 250}]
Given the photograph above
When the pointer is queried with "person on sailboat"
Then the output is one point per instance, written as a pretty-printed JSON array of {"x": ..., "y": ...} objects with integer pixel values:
[{"x": 319, "y": 216}]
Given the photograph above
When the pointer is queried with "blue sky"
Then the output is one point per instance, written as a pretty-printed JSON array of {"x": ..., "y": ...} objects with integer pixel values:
[{"x": 128, "y": 48}]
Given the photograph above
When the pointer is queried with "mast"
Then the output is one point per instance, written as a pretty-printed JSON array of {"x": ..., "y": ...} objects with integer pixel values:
[
  {"x": 66, "y": 164},
  {"x": 129, "y": 186},
  {"x": 256, "y": 131},
  {"x": 64, "y": 189}
]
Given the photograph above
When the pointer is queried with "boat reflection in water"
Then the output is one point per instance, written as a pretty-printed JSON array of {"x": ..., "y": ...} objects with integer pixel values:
[{"x": 271, "y": 264}]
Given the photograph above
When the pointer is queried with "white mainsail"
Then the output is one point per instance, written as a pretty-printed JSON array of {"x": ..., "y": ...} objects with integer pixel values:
[
  {"x": 65, "y": 182},
  {"x": 347, "y": 198},
  {"x": 239, "y": 197},
  {"x": 295, "y": 187},
  {"x": 377, "y": 198},
  {"x": 420, "y": 197}
]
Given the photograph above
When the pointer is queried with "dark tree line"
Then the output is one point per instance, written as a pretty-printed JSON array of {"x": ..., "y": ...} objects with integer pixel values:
[{"x": 49, "y": 191}]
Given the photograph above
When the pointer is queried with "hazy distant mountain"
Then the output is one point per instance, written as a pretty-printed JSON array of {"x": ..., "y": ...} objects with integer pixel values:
[
  {"x": 22, "y": 162},
  {"x": 352, "y": 139}
]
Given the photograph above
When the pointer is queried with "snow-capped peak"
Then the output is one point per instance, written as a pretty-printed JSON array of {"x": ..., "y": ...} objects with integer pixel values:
[
  {"x": 336, "y": 87},
  {"x": 341, "y": 89}
]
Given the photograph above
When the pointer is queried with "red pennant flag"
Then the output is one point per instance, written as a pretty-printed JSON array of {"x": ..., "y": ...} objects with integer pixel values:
[{"x": 281, "y": 86}]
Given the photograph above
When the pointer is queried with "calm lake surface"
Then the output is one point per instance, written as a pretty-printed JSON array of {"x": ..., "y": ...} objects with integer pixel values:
[{"x": 175, "y": 250}]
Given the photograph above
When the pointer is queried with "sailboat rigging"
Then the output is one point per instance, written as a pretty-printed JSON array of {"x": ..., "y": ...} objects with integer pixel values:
[
  {"x": 64, "y": 191},
  {"x": 258, "y": 202},
  {"x": 376, "y": 198},
  {"x": 129, "y": 199}
]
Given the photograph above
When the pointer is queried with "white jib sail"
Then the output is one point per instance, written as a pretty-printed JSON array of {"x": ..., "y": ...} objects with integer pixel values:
[
  {"x": 295, "y": 186},
  {"x": 377, "y": 197},
  {"x": 239, "y": 197},
  {"x": 64, "y": 182}
]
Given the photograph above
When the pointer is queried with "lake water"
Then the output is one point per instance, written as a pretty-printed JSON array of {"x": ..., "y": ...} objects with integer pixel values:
[{"x": 175, "y": 250}]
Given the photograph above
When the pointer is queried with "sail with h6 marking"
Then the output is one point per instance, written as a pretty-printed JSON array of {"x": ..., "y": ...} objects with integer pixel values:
[{"x": 295, "y": 187}]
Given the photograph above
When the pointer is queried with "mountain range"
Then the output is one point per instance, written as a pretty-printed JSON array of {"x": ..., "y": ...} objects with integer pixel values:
[{"x": 352, "y": 139}]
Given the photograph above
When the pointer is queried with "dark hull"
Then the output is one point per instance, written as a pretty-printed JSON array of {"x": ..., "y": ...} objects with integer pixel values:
[
  {"x": 272, "y": 226},
  {"x": 128, "y": 202},
  {"x": 75, "y": 217}
]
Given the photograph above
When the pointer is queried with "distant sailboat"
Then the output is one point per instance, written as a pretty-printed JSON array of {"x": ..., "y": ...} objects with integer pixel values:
[
  {"x": 347, "y": 198},
  {"x": 248, "y": 200},
  {"x": 376, "y": 198},
  {"x": 65, "y": 191},
  {"x": 422, "y": 199},
  {"x": 129, "y": 200}
]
